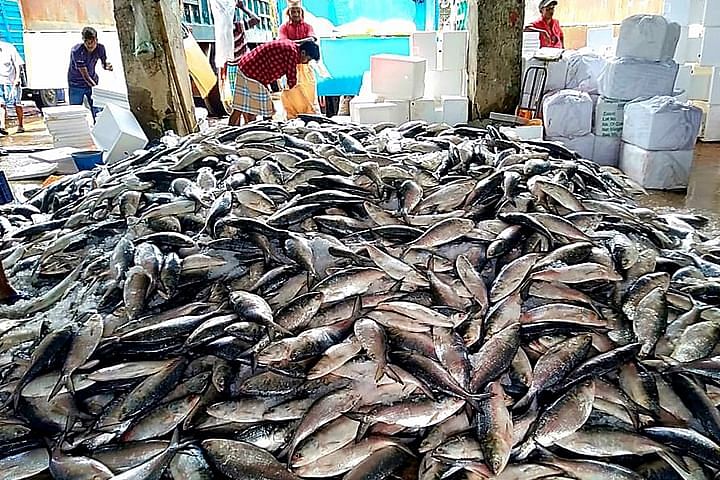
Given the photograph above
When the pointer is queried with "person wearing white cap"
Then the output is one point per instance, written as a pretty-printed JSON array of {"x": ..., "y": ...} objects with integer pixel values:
[
  {"x": 551, "y": 35},
  {"x": 297, "y": 29}
]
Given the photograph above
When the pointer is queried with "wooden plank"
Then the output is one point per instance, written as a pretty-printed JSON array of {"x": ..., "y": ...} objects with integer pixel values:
[
  {"x": 157, "y": 75},
  {"x": 494, "y": 60}
]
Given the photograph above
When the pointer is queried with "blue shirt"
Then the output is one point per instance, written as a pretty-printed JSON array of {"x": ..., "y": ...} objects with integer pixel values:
[{"x": 80, "y": 57}]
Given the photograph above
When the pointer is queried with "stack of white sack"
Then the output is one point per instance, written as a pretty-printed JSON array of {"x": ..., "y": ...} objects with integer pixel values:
[
  {"x": 567, "y": 117},
  {"x": 644, "y": 65},
  {"x": 659, "y": 136}
]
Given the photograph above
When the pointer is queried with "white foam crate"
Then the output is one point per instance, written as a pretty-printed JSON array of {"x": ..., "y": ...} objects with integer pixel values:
[
  {"x": 454, "y": 109},
  {"x": 714, "y": 93},
  {"x": 700, "y": 83},
  {"x": 453, "y": 49},
  {"x": 423, "y": 109},
  {"x": 711, "y": 132},
  {"x": 118, "y": 133},
  {"x": 711, "y": 15},
  {"x": 371, "y": 113},
  {"x": 684, "y": 12},
  {"x": 710, "y": 47},
  {"x": 447, "y": 82},
  {"x": 656, "y": 170},
  {"x": 425, "y": 45},
  {"x": 397, "y": 76}
]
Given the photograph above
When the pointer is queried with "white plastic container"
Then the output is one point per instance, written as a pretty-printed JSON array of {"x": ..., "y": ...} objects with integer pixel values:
[
  {"x": 425, "y": 45},
  {"x": 583, "y": 145},
  {"x": 609, "y": 117},
  {"x": 396, "y": 76},
  {"x": 118, "y": 133},
  {"x": 453, "y": 47},
  {"x": 629, "y": 78},
  {"x": 710, "y": 48},
  {"x": 657, "y": 169},
  {"x": 446, "y": 82},
  {"x": 661, "y": 124},
  {"x": 606, "y": 151},
  {"x": 404, "y": 110},
  {"x": 568, "y": 113},
  {"x": 454, "y": 109},
  {"x": 524, "y": 132},
  {"x": 423, "y": 109},
  {"x": 684, "y": 77},
  {"x": 650, "y": 37},
  {"x": 371, "y": 113}
]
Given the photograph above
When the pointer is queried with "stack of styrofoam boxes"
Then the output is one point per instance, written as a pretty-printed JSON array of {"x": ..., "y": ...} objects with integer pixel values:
[
  {"x": 395, "y": 81},
  {"x": 567, "y": 117},
  {"x": 698, "y": 50},
  {"x": 446, "y": 85},
  {"x": 659, "y": 137}
]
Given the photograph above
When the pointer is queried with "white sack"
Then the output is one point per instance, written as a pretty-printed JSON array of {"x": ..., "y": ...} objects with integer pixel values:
[
  {"x": 567, "y": 113},
  {"x": 661, "y": 123}
]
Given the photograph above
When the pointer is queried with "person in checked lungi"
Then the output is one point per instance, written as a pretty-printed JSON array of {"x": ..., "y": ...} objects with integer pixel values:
[{"x": 263, "y": 65}]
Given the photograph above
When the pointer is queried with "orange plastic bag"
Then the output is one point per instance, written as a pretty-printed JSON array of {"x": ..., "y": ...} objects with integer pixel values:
[{"x": 302, "y": 97}]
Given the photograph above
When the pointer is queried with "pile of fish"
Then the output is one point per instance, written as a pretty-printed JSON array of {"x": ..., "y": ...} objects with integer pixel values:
[{"x": 316, "y": 300}]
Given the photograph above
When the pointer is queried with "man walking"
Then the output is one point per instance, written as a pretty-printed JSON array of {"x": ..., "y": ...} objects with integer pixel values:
[
  {"x": 10, "y": 90},
  {"x": 81, "y": 74},
  {"x": 262, "y": 66}
]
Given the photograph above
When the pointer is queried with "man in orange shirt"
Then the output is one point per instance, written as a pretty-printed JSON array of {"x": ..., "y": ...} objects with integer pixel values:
[{"x": 551, "y": 35}]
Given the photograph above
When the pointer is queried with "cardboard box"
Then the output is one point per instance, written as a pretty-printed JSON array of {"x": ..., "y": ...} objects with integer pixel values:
[
  {"x": 656, "y": 170},
  {"x": 609, "y": 117},
  {"x": 398, "y": 77},
  {"x": 606, "y": 151}
]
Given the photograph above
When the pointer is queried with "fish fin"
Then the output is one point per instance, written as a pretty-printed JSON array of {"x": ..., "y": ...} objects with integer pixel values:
[
  {"x": 390, "y": 372},
  {"x": 525, "y": 401},
  {"x": 62, "y": 381},
  {"x": 677, "y": 464}
]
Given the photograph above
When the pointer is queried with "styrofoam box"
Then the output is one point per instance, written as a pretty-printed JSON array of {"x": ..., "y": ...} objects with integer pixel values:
[
  {"x": 371, "y": 113},
  {"x": 454, "y": 109},
  {"x": 425, "y": 45},
  {"x": 583, "y": 145},
  {"x": 656, "y": 170},
  {"x": 710, "y": 48},
  {"x": 453, "y": 50},
  {"x": 118, "y": 133},
  {"x": 681, "y": 52},
  {"x": 677, "y": 11},
  {"x": 649, "y": 37},
  {"x": 398, "y": 77},
  {"x": 363, "y": 100},
  {"x": 661, "y": 123},
  {"x": 609, "y": 117},
  {"x": 714, "y": 91},
  {"x": 524, "y": 132},
  {"x": 447, "y": 82},
  {"x": 423, "y": 109},
  {"x": 700, "y": 78},
  {"x": 606, "y": 151},
  {"x": 684, "y": 77},
  {"x": 366, "y": 85},
  {"x": 567, "y": 113},
  {"x": 531, "y": 43},
  {"x": 629, "y": 78},
  {"x": 711, "y": 133},
  {"x": 556, "y": 72},
  {"x": 404, "y": 109},
  {"x": 600, "y": 38},
  {"x": 711, "y": 15}
]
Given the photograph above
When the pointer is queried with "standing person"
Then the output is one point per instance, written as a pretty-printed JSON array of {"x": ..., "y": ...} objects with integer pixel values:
[
  {"x": 10, "y": 90},
  {"x": 81, "y": 73},
  {"x": 248, "y": 21},
  {"x": 299, "y": 31},
  {"x": 262, "y": 66},
  {"x": 551, "y": 35}
]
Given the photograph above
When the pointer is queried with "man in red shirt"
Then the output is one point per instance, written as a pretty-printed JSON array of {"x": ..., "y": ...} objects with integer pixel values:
[
  {"x": 551, "y": 35},
  {"x": 297, "y": 28},
  {"x": 258, "y": 68}
]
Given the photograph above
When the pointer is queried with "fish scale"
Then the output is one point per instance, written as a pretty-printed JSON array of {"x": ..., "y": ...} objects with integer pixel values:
[{"x": 316, "y": 300}]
